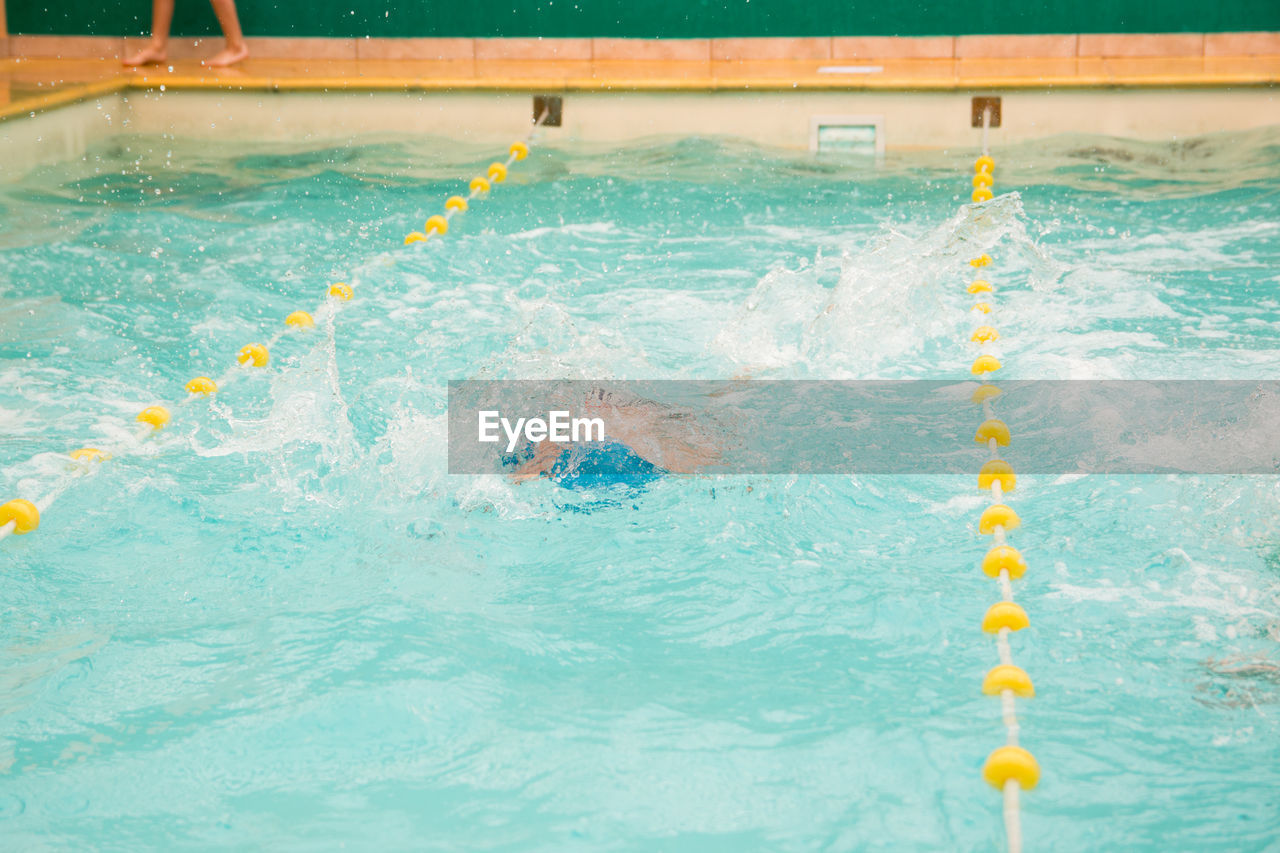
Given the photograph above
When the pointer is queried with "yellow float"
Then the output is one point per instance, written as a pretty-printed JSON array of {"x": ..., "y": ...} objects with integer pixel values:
[
  {"x": 994, "y": 428},
  {"x": 255, "y": 354},
  {"x": 23, "y": 513},
  {"x": 997, "y": 469},
  {"x": 1006, "y": 676},
  {"x": 1004, "y": 558},
  {"x": 1011, "y": 763},
  {"x": 998, "y": 515},
  {"x": 157, "y": 416},
  {"x": 985, "y": 364},
  {"x": 202, "y": 385},
  {"x": 983, "y": 393},
  {"x": 1004, "y": 615}
]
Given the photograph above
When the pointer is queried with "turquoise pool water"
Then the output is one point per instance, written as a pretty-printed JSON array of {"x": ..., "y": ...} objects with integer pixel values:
[{"x": 280, "y": 623}]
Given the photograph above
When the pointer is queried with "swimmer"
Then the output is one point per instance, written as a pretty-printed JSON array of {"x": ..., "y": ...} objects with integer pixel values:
[
  {"x": 162, "y": 16},
  {"x": 589, "y": 465},
  {"x": 645, "y": 440}
]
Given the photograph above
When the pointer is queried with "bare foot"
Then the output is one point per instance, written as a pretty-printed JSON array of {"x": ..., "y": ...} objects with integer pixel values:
[
  {"x": 228, "y": 56},
  {"x": 150, "y": 55}
]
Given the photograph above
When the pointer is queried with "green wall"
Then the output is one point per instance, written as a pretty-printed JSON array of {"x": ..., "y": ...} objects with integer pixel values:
[{"x": 653, "y": 18}]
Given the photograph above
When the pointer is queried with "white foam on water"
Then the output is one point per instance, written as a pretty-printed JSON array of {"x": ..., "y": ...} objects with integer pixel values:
[{"x": 886, "y": 307}]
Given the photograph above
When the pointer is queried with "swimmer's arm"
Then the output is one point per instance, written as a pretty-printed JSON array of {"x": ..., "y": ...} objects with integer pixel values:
[
  {"x": 545, "y": 454},
  {"x": 680, "y": 448},
  {"x": 681, "y": 458}
]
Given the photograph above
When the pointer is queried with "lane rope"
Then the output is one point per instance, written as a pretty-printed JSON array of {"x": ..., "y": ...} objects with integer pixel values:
[
  {"x": 1011, "y": 769},
  {"x": 438, "y": 224},
  {"x": 20, "y": 516}
]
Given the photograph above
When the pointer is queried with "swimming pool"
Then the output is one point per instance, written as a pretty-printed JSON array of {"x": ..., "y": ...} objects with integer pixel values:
[{"x": 281, "y": 622}]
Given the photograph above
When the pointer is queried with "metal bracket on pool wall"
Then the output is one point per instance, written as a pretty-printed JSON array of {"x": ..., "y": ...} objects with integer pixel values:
[
  {"x": 554, "y": 107},
  {"x": 983, "y": 103}
]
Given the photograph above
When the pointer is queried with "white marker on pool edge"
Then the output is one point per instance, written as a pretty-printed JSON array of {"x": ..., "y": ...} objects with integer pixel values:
[{"x": 851, "y": 69}]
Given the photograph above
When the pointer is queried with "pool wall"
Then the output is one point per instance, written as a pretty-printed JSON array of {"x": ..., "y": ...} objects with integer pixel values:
[
  {"x": 923, "y": 120},
  {"x": 784, "y": 118}
]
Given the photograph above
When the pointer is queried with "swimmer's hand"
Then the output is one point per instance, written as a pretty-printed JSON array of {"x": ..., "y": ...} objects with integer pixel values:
[{"x": 545, "y": 454}]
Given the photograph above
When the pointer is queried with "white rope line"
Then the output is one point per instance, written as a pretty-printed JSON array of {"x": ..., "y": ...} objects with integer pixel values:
[{"x": 1012, "y": 817}]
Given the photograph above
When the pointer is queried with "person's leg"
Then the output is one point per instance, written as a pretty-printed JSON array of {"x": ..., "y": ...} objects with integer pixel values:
[
  {"x": 158, "y": 50},
  {"x": 236, "y": 48}
]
